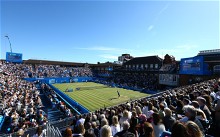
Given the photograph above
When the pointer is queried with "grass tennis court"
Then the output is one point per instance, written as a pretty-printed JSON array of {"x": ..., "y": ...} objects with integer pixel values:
[{"x": 94, "y": 96}]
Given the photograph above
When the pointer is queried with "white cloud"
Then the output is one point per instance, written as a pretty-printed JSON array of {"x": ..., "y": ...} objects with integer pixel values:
[
  {"x": 108, "y": 50},
  {"x": 163, "y": 9},
  {"x": 179, "y": 48},
  {"x": 164, "y": 51},
  {"x": 187, "y": 47},
  {"x": 99, "y": 48},
  {"x": 109, "y": 56},
  {"x": 150, "y": 27},
  {"x": 179, "y": 51}
]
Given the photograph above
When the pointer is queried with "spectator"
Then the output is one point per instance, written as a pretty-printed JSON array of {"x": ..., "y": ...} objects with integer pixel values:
[
  {"x": 125, "y": 132},
  {"x": 134, "y": 124},
  {"x": 161, "y": 111},
  {"x": 190, "y": 113},
  {"x": 79, "y": 131},
  {"x": 148, "y": 130},
  {"x": 90, "y": 133},
  {"x": 104, "y": 122},
  {"x": 158, "y": 127},
  {"x": 193, "y": 129},
  {"x": 124, "y": 118},
  {"x": 106, "y": 131},
  {"x": 145, "y": 108},
  {"x": 115, "y": 127},
  {"x": 67, "y": 133},
  {"x": 168, "y": 120},
  {"x": 203, "y": 107},
  {"x": 179, "y": 108},
  {"x": 179, "y": 130},
  {"x": 95, "y": 129},
  {"x": 20, "y": 132}
]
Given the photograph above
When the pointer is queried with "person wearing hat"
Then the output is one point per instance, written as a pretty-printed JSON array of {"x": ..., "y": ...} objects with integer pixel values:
[{"x": 203, "y": 107}]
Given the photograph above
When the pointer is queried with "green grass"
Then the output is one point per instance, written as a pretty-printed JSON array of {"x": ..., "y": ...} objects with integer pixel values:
[{"x": 94, "y": 96}]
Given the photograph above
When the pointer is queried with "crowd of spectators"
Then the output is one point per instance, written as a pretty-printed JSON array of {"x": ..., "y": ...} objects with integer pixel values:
[
  {"x": 42, "y": 71},
  {"x": 58, "y": 71},
  {"x": 21, "y": 103},
  {"x": 136, "y": 80}
]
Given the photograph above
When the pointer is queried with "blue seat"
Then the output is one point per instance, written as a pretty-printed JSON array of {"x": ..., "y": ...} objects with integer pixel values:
[{"x": 1, "y": 119}]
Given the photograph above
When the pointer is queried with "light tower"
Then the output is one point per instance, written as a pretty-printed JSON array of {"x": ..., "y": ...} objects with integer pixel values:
[{"x": 9, "y": 42}]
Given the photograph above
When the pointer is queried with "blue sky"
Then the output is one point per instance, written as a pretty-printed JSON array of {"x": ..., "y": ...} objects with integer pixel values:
[{"x": 100, "y": 31}]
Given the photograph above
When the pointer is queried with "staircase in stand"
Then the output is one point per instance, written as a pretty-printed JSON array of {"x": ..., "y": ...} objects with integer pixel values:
[{"x": 52, "y": 114}]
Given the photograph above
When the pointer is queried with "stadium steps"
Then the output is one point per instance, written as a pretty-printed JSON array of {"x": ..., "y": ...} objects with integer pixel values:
[
  {"x": 38, "y": 86},
  {"x": 54, "y": 115},
  {"x": 45, "y": 102}
]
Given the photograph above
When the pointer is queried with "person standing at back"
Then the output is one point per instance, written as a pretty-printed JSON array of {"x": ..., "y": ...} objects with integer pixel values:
[{"x": 158, "y": 126}]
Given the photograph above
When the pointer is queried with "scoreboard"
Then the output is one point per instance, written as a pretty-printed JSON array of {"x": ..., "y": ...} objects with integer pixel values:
[
  {"x": 13, "y": 57},
  {"x": 194, "y": 66}
]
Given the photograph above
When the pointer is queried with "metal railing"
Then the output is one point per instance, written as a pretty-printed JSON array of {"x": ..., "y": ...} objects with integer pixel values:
[{"x": 53, "y": 131}]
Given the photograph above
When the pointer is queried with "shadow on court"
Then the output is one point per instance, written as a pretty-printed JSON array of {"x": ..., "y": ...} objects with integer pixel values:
[{"x": 112, "y": 98}]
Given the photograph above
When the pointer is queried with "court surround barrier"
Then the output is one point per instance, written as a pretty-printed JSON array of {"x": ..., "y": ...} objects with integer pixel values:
[
  {"x": 72, "y": 103},
  {"x": 83, "y": 110},
  {"x": 52, "y": 80}
]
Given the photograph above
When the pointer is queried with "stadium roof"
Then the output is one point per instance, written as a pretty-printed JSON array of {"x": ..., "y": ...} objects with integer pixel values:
[
  {"x": 210, "y": 55},
  {"x": 209, "y": 52},
  {"x": 107, "y": 64},
  {"x": 145, "y": 60}
]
